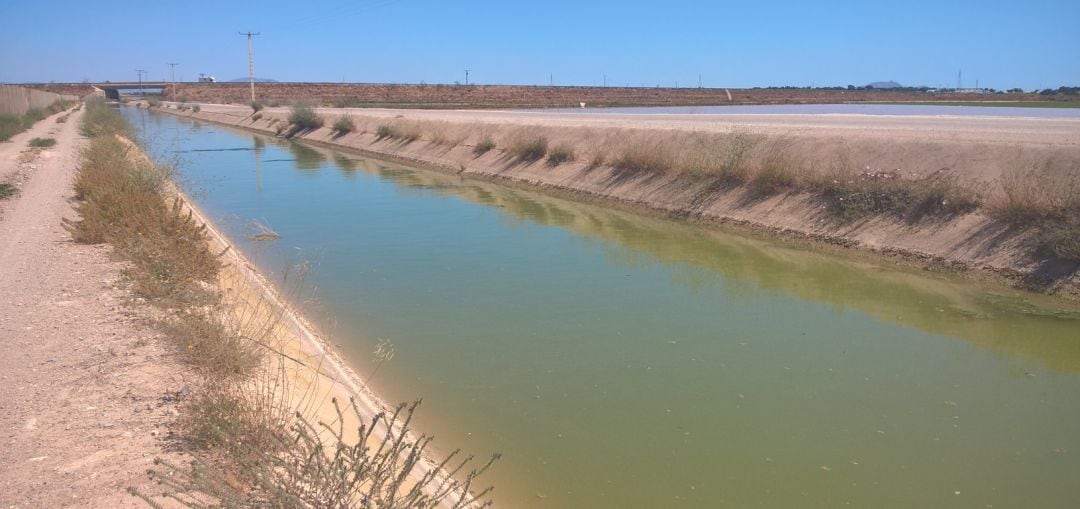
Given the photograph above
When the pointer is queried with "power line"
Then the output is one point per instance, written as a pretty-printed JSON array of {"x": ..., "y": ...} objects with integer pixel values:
[
  {"x": 251, "y": 63},
  {"x": 172, "y": 67},
  {"x": 141, "y": 72}
]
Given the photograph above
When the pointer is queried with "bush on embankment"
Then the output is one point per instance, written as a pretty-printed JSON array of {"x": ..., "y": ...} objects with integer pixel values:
[
  {"x": 1044, "y": 198},
  {"x": 240, "y": 423},
  {"x": 10, "y": 125}
]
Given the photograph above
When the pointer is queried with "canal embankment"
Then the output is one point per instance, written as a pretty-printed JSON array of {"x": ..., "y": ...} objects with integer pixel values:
[
  {"x": 993, "y": 198},
  {"x": 261, "y": 386}
]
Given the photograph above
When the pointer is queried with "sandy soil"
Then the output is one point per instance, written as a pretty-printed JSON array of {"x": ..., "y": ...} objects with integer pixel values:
[{"x": 86, "y": 393}]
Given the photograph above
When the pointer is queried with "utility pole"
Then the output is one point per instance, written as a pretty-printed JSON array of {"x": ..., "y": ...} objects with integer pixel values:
[
  {"x": 551, "y": 80},
  {"x": 699, "y": 81},
  {"x": 141, "y": 72},
  {"x": 467, "y": 77},
  {"x": 959, "y": 82},
  {"x": 251, "y": 63},
  {"x": 172, "y": 66},
  {"x": 605, "y": 81}
]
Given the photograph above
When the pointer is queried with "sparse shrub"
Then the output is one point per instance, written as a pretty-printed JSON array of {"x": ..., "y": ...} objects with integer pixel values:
[
  {"x": 528, "y": 149},
  {"x": 121, "y": 202},
  {"x": 42, "y": 142},
  {"x": 438, "y": 137},
  {"x": 1046, "y": 198},
  {"x": 561, "y": 154},
  {"x": 385, "y": 131},
  {"x": 153, "y": 102},
  {"x": 871, "y": 193},
  {"x": 303, "y": 117},
  {"x": 774, "y": 176},
  {"x": 195, "y": 108},
  {"x": 1060, "y": 235},
  {"x": 407, "y": 134},
  {"x": 293, "y": 462},
  {"x": 10, "y": 125},
  {"x": 256, "y": 106},
  {"x": 100, "y": 119},
  {"x": 598, "y": 159},
  {"x": 7, "y": 190},
  {"x": 256, "y": 117},
  {"x": 344, "y": 125},
  {"x": 31, "y": 117},
  {"x": 639, "y": 157},
  {"x": 485, "y": 146},
  {"x": 213, "y": 344}
]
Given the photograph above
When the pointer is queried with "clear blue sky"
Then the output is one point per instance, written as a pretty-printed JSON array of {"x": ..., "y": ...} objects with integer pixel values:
[{"x": 1003, "y": 44}]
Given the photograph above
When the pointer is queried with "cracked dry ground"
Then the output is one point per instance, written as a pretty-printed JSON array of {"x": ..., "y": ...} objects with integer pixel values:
[{"x": 85, "y": 382}]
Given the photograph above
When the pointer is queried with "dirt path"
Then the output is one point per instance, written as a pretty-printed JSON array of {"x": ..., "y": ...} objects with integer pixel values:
[
  {"x": 1056, "y": 132},
  {"x": 84, "y": 387}
]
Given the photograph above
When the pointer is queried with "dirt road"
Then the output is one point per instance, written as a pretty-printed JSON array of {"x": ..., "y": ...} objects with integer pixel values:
[
  {"x": 84, "y": 387},
  {"x": 1060, "y": 132}
]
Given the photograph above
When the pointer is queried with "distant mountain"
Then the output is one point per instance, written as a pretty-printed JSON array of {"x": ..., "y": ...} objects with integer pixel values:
[
  {"x": 885, "y": 84},
  {"x": 257, "y": 80}
]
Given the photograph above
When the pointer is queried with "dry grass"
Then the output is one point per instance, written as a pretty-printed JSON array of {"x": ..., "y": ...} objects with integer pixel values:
[
  {"x": 851, "y": 196},
  {"x": 484, "y": 146},
  {"x": 561, "y": 154},
  {"x": 1046, "y": 198},
  {"x": 10, "y": 125},
  {"x": 42, "y": 142},
  {"x": 344, "y": 125},
  {"x": 304, "y": 118},
  {"x": 407, "y": 133},
  {"x": 645, "y": 158},
  {"x": 526, "y": 148},
  {"x": 122, "y": 202}
]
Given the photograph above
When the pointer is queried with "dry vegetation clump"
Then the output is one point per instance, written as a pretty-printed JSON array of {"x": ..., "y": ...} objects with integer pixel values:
[
  {"x": 645, "y": 158},
  {"x": 344, "y": 125},
  {"x": 776, "y": 175},
  {"x": 561, "y": 154},
  {"x": 852, "y": 196},
  {"x": 526, "y": 148},
  {"x": 7, "y": 190},
  {"x": 10, "y": 125},
  {"x": 304, "y": 118},
  {"x": 42, "y": 142},
  {"x": 299, "y": 464},
  {"x": 1046, "y": 198},
  {"x": 405, "y": 133},
  {"x": 485, "y": 145}
]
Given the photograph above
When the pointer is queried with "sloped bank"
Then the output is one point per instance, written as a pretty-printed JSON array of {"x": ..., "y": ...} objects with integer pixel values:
[{"x": 967, "y": 240}]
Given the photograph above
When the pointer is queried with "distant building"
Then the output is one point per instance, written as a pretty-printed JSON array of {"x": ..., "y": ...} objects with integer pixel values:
[{"x": 884, "y": 85}]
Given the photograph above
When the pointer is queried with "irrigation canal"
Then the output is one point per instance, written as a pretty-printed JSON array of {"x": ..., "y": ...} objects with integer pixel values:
[{"x": 623, "y": 361}]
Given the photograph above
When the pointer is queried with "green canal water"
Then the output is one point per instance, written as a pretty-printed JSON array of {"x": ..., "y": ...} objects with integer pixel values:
[{"x": 624, "y": 361}]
